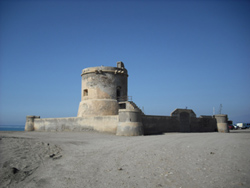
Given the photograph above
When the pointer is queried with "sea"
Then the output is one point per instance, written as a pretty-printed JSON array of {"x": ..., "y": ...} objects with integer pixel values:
[{"x": 11, "y": 127}]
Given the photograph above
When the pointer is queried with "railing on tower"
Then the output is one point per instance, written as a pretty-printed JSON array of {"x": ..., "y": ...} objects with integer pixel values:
[{"x": 124, "y": 98}]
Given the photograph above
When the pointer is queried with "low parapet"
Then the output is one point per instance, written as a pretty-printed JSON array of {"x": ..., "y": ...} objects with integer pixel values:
[{"x": 102, "y": 69}]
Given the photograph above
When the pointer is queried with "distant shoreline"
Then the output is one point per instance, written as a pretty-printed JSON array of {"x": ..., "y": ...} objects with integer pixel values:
[{"x": 11, "y": 127}]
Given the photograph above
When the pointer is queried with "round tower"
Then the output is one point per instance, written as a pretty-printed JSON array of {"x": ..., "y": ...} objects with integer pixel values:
[
  {"x": 130, "y": 121},
  {"x": 29, "y": 125},
  {"x": 222, "y": 124},
  {"x": 102, "y": 89}
]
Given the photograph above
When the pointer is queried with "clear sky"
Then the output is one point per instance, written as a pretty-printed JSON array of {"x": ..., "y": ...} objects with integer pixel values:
[{"x": 178, "y": 54}]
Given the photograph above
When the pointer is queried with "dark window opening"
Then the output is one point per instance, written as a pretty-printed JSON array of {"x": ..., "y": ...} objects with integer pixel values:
[
  {"x": 85, "y": 92},
  {"x": 122, "y": 106},
  {"x": 118, "y": 92}
]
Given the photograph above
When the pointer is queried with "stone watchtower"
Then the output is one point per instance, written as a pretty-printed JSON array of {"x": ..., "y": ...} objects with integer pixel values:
[
  {"x": 102, "y": 89},
  {"x": 105, "y": 107}
]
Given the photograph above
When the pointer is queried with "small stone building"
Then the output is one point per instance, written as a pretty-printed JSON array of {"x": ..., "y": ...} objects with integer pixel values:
[{"x": 106, "y": 107}]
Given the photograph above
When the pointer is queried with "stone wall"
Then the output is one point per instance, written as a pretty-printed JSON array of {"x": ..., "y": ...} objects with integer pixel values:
[
  {"x": 127, "y": 123},
  {"x": 204, "y": 124},
  {"x": 160, "y": 124},
  {"x": 97, "y": 123},
  {"x": 163, "y": 124}
]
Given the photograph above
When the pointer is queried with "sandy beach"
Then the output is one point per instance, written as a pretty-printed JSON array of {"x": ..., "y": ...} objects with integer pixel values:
[{"x": 90, "y": 159}]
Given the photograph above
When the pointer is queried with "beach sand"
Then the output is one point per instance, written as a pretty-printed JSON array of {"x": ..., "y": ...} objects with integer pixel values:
[{"x": 90, "y": 159}]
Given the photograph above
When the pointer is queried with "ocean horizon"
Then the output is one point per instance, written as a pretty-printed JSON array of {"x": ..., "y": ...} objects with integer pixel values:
[{"x": 12, "y": 127}]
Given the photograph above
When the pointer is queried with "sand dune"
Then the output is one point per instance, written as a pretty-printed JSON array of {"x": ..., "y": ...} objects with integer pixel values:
[{"x": 90, "y": 159}]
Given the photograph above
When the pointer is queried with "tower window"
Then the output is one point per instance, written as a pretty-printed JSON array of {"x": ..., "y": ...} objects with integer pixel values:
[
  {"x": 85, "y": 92},
  {"x": 118, "y": 92},
  {"x": 122, "y": 106}
]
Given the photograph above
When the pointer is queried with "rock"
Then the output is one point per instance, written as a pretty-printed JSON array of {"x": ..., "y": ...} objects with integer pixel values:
[{"x": 15, "y": 170}]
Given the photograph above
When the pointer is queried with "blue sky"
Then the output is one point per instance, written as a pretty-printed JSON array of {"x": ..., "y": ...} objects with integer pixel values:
[{"x": 179, "y": 54}]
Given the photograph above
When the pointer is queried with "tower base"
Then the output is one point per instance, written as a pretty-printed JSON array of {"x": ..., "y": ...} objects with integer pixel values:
[{"x": 98, "y": 107}]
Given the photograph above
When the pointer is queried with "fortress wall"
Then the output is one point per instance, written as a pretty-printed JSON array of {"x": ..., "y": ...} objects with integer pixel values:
[
  {"x": 203, "y": 124},
  {"x": 151, "y": 124},
  {"x": 208, "y": 124},
  {"x": 160, "y": 124},
  {"x": 195, "y": 125},
  {"x": 97, "y": 123},
  {"x": 61, "y": 124},
  {"x": 105, "y": 123}
]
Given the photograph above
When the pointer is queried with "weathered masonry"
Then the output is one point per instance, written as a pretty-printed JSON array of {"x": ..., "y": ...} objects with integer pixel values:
[
  {"x": 102, "y": 88},
  {"x": 106, "y": 107}
]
